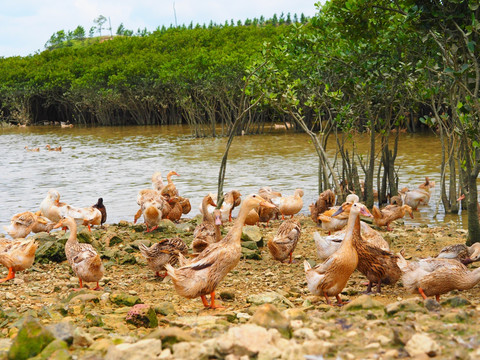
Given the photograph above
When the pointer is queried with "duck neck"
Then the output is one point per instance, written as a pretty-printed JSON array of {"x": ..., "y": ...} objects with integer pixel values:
[
  {"x": 218, "y": 234},
  {"x": 72, "y": 238},
  {"x": 353, "y": 228},
  {"x": 471, "y": 279},
  {"x": 236, "y": 230},
  {"x": 207, "y": 217}
]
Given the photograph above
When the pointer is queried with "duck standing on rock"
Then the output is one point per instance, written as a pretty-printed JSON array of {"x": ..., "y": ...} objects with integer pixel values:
[
  {"x": 282, "y": 245},
  {"x": 207, "y": 270},
  {"x": 103, "y": 210},
  {"x": 83, "y": 258},
  {"x": 16, "y": 255},
  {"x": 330, "y": 277}
]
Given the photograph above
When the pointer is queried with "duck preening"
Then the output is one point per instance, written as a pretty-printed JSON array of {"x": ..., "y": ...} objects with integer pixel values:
[
  {"x": 207, "y": 270},
  {"x": 166, "y": 251},
  {"x": 282, "y": 245}
]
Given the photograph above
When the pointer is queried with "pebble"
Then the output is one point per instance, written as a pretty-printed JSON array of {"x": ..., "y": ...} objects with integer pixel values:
[{"x": 9, "y": 296}]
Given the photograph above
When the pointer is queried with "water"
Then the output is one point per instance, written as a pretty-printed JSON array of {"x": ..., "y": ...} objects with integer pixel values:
[{"x": 116, "y": 162}]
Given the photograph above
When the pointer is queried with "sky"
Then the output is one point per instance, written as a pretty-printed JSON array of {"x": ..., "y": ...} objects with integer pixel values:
[{"x": 26, "y": 25}]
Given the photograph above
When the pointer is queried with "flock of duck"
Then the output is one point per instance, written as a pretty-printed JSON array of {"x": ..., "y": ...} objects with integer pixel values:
[{"x": 350, "y": 245}]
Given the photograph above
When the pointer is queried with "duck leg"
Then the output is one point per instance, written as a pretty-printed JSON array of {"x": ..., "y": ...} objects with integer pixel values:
[
  {"x": 369, "y": 288},
  {"x": 11, "y": 275},
  {"x": 212, "y": 300},
  {"x": 205, "y": 301},
  {"x": 437, "y": 297},
  {"x": 328, "y": 300},
  {"x": 98, "y": 287},
  {"x": 81, "y": 285},
  {"x": 290, "y": 258},
  {"x": 420, "y": 290},
  {"x": 153, "y": 228},
  {"x": 157, "y": 273},
  {"x": 339, "y": 301},
  {"x": 379, "y": 287}
]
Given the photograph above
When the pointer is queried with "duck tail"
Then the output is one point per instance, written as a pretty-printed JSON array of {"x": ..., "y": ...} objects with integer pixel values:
[
  {"x": 171, "y": 272},
  {"x": 144, "y": 249},
  {"x": 376, "y": 212}
]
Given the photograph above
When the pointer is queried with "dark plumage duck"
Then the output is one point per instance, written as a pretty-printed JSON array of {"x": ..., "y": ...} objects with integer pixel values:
[
  {"x": 379, "y": 266},
  {"x": 324, "y": 202},
  {"x": 99, "y": 205},
  {"x": 164, "y": 252}
]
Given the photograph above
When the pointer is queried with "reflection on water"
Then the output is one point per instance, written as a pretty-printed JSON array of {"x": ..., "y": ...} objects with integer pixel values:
[{"x": 116, "y": 162}]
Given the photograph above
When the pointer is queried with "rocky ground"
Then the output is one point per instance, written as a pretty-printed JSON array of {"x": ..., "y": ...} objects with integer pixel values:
[{"x": 269, "y": 312}]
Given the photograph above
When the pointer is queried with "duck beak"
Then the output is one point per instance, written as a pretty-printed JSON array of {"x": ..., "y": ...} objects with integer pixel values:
[
  {"x": 57, "y": 225},
  {"x": 41, "y": 220},
  {"x": 218, "y": 219},
  {"x": 267, "y": 204},
  {"x": 338, "y": 212},
  {"x": 364, "y": 211}
]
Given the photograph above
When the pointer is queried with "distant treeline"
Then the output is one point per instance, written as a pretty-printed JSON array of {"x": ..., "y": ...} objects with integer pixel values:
[{"x": 186, "y": 74}]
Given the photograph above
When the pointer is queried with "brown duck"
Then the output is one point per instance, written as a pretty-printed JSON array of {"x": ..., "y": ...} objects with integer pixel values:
[
  {"x": 324, "y": 202},
  {"x": 282, "y": 245},
  {"x": 207, "y": 270},
  {"x": 379, "y": 266},
  {"x": 83, "y": 258},
  {"x": 208, "y": 232},
  {"x": 330, "y": 277},
  {"x": 390, "y": 213},
  {"x": 166, "y": 251}
]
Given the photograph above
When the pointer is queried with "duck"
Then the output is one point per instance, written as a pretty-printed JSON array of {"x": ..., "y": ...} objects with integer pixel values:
[
  {"x": 282, "y": 245},
  {"x": 83, "y": 258},
  {"x": 37, "y": 149},
  {"x": 265, "y": 214},
  {"x": 172, "y": 209},
  {"x": 17, "y": 255},
  {"x": 170, "y": 189},
  {"x": 157, "y": 181},
  {"x": 330, "y": 223},
  {"x": 65, "y": 125},
  {"x": 327, "y": 245},
  {"x": 379, "y": 266},
  {"x": 330, "y": 277},
  {"x": 434, "y": 276},
  {"x": 231, "y": 199},
  {"x": 252, "y": 218},
  {"x": 151, "y": 204},
  {"x": 202, "y": 276},
  {"x": 49, "y": 148},
  {"x": 416, "y": 197},
  {"x": 290, "y": 205},
  {"x": 163, "y": 252},
  {"x": 208, "y": 232},
  {"x": 324, "y": 202},
  {"x": 390, "y": 213},
  {"x": 24, "y": 223},
  {"x": 461, "y": 252},
  {"x": 185, "y": 203},
  {"x": 99, "y": 205},
  {"x": 54, "y": 210}
]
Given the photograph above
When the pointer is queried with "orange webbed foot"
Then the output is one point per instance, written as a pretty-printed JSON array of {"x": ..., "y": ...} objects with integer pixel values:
[{"x": 10, "y": 276}]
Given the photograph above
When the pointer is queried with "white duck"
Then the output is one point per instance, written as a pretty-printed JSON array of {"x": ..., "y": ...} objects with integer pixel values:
[{"x": 24, "y": 223}]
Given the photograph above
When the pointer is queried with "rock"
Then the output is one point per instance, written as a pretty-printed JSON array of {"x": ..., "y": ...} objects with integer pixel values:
[
  {"x": 363, "y": 302},
  {"x": 295, "y": 314},
  {"x": 409, "y": 305},
  {"x": 85, "y": 236},
  {"x": 185, "y": 227},
  {"x": 305, "y": 333},
  {"x": 170, "y": 336},
  {"x": 62, "y": 331},
  {"x": 147, "y": 349},
  {"x": 432, "y": 305},
  {"x": 142, "y": 315},
  {"x": 188, "y": 351},
  {"x": 43, "y": 237},
  {"x": 111, "y": 238},
  {"x": 84, "y": 298},
  {"x": 251, "y": 233},
  {"x": 456, "y": 301},
  {"x": 252, "y": 245},
  {"x": 9, "y": 296},
  {"x": 227, "y": 296},
  {"x": 268, "y": 316},
  {"x": 422, "y": 344},
  {"x": 81, "y": 338},
  {"x": 165, "y": 308},
  {"x": 270, "y": 297},
  {"x": 247, "y": 340},
  {"x": 50, "y": 251},
  {"x": 57, "y": 350},
  {"x": 125, "y": 258},
  {"x": 120, "y": 298},
  {"x": 31, "y": 339},
  {"x": 251, "y": 254}
]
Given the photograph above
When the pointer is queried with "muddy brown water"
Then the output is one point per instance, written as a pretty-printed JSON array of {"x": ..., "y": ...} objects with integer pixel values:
[{"x": 116, "y": 162}]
